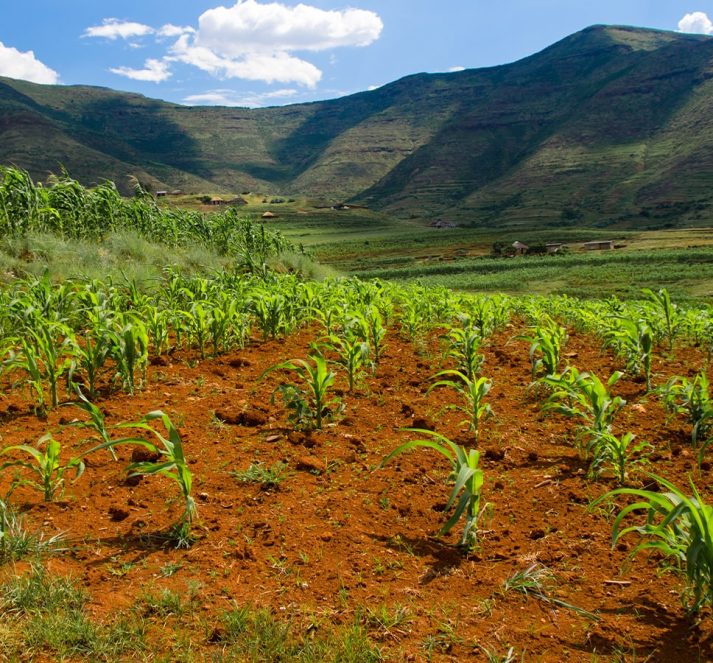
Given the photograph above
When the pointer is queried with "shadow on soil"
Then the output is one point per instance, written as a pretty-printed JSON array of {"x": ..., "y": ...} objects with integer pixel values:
[
  {"x": 679, "y": 639},
  {"x": 446, "y": 558}
]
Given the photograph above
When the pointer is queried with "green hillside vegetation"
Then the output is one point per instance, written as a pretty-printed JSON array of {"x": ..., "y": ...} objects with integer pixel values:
[
  {"x": 610, "y": 127},
  {"x": 74, "y": 231}
]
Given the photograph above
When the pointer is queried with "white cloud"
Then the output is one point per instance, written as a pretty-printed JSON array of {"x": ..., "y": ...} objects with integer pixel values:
[
  {"x": 697, "y": 23},
  {"x": 452, "y": 70},
  {"x": 25, "y": 66},
  {"x": 113, "y": 28},
  {"x": 251, "y": 40},
  {"x": 170, "y": 30},
  {"x": 228, "y": 98},
  {"x": 250, "y": 26},
  {"x": 266, "y": 67},
  {"x": 154, "y": 71}
]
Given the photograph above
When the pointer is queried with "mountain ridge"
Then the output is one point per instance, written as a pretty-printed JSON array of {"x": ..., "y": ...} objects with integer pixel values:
[{"x": 609, "y": 125}]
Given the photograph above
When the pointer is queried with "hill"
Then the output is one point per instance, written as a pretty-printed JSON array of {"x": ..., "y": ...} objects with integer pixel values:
[{"x": 610, "y": 126}]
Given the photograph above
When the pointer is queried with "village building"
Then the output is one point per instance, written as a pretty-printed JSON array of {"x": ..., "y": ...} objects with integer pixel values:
[{"x": 599, "y": 245}]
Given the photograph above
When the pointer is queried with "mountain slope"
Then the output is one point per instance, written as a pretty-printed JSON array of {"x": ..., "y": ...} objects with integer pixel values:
[{"x": 611, "y": 125}]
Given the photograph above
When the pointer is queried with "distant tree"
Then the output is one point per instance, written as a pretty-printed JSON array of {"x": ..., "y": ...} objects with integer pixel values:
[
  {"x": 571, "y": 214},
  {"x": 537, "y": 249},
  {"x": 502, "y": 249}
]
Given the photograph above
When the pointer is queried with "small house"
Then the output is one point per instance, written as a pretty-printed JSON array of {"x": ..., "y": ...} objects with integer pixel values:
[
  {"x": 441, "y": 223},
  {"x": 161, "y": 194},
  {"x": 217, "y": 200},
  {"x": 599, "y": 245},
  {"x": 520, "y": 248},
  {"x": 554, "y": 247},
  {"x": 269, "y": 215},
  {"x": 238, "y": 202}
]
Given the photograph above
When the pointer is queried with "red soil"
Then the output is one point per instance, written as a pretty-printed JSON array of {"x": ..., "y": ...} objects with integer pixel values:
[{"x": 338, "y": 534}]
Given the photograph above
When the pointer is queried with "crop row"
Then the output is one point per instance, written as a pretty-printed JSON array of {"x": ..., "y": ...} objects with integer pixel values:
[{"x": 90, "y": 336}]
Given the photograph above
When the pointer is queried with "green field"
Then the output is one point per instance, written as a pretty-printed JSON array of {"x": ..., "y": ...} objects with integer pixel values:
[{"x": 372, "y": 245}]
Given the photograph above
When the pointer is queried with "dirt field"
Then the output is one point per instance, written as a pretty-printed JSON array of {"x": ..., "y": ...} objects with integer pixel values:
[{"x": 338, "y": 540}]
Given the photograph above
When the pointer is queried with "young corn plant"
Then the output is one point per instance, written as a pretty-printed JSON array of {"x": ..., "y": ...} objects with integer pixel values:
[
  {"x": 157, "y": 328},
  {"x": 468, "y": 480},
  {"x": 692, "y": 399},
  {"x": 198, "y": 319},
  {"x": 45, "y": 354},
  {"x": 171, "y": 463},
  {"x": 415, "y": 316},
  {"x": 376, "y": 332},
  {"x": 546, "y": 341},
  {"x": 632, "y": 339},
  {"x": 97, "y": 421},
  {"x": 586, "y": 397},
  {"x": 310, "y": 400},
  {"x": 473, "y": 393},
  {"x": 227, "y": 325},
  {"x": 91, "y": 355},
  {"x": 353, "y": 354},
  {"x": 129, "y": 350},
  {"x": 271, "y": 313},
  {"x": 25, "y": 358},
  {"x": 464, "y": 347},
  {"x": 678, "y": 526},
  {"x": 45, "y": 463},
  {"x": 669, "y": 312},
  {"x": 619, "y": 453}
]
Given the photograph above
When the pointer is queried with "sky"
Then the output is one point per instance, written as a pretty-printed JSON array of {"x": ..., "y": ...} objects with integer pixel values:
[{"x": 264, "y": 53}]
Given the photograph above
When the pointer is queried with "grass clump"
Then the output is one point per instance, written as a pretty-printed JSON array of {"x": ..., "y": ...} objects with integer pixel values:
[
  {"x": 18, "y": 542},
  {"x": 45, "y": 614},
  {"x": 249, "y": 634},
  {"x": 267, "y": 477}
]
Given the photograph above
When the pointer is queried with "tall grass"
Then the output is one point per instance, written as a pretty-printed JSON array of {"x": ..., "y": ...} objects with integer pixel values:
[{"x": 70, "y": 211}]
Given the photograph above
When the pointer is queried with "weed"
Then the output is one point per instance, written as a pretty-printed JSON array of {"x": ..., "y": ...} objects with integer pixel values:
[
  {"x": 536, "y": 581},
  {"x": 268, "y": 477}
]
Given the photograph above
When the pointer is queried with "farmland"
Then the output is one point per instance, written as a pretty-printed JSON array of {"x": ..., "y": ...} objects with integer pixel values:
[{"x": 211, "y": 465}]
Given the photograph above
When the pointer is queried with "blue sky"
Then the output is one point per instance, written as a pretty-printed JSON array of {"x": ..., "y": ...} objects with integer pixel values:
[{"x": 259, "y": 53}]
